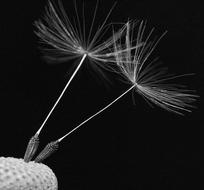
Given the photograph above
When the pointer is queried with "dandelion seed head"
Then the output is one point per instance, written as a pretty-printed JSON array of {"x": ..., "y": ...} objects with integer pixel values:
[{"x": 15, "y": 174}]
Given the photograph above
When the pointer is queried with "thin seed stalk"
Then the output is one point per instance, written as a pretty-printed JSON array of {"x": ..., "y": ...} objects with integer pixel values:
[
  {"x": 100, "y": 111},
  {"x": 62, "y": 93}
]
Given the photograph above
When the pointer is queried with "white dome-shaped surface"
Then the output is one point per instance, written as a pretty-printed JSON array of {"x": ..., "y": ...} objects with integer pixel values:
[{"x": 15, "y": 174}]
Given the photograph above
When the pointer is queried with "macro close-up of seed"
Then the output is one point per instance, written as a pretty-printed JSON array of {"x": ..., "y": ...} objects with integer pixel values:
[{"x": 101, "y": 95}]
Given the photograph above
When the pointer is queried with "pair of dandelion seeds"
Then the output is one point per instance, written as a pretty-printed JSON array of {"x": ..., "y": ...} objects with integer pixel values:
[{"x": 126, "y": 52}]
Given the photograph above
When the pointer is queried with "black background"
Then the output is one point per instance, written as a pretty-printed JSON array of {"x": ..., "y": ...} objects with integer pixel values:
[{"x": 128, "y": 146}]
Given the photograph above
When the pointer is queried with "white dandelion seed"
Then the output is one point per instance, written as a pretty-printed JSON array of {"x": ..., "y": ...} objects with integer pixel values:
[
  {"x": 68, "y": 41},
  {"x": 144, "y": 77},
  {"x": 71, "y": 40}
]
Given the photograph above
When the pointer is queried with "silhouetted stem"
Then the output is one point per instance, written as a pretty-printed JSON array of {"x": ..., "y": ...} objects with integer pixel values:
[
  {"x": 103, "y": 109},
  {"x": 62, "y": 93}
]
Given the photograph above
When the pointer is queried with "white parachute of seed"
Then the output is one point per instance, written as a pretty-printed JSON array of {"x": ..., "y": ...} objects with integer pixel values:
[{"x": 147, "y": 77}]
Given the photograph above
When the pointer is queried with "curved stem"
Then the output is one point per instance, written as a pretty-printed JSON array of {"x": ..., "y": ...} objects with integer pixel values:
[
  {"x": 103, "y": 109},
  {"x": 62, "y": 93}
]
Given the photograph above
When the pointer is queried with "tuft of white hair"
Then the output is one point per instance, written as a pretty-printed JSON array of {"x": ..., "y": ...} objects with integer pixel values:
[{"x": 15, "y": 174}]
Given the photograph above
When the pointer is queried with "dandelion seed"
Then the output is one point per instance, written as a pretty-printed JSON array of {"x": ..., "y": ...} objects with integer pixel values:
[
  {"x": 148, "y": 80},
  {"x": 69, "y": 40},
  {"x": 144, "y": 76}
]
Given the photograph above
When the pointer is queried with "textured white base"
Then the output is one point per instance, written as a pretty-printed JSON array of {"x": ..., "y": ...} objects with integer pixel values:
[{"x": 15, "y": 174}]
